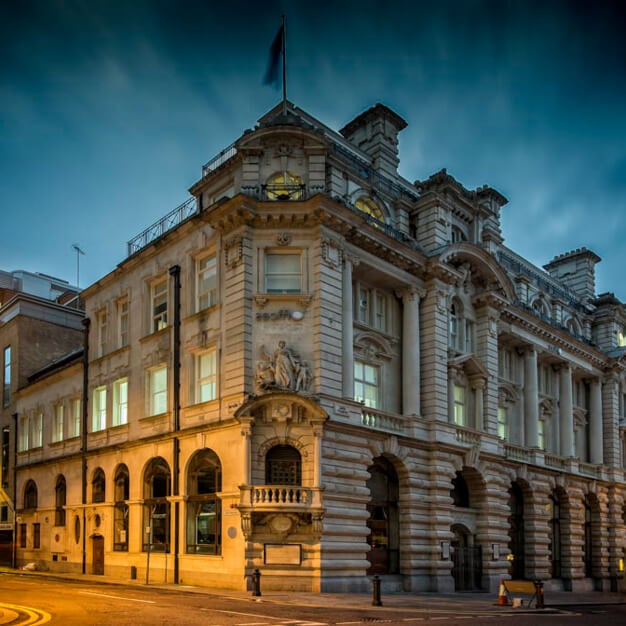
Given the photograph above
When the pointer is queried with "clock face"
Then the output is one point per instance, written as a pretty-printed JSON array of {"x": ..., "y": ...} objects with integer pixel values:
[{"x": 284, "y": 186}]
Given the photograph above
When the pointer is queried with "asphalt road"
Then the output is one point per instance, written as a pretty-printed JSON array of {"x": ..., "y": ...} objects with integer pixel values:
[{"x": 38, "y": 600}]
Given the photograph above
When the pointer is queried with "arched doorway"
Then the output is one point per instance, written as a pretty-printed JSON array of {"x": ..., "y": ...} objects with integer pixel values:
[
  {"x": 384, "y": 535},
  {"x": 467, "y": 557},
  {"x": 517, "y": 544}
]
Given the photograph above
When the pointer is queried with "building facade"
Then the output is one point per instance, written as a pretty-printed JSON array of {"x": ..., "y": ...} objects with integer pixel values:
[{"x": 319, "y": 369}]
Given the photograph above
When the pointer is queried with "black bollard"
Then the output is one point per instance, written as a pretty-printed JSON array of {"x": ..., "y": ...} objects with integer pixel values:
[
  {"x": 256, "y": 583},
  {"x": 376, "y": 592},
  {"x": 539, "y": 602}
]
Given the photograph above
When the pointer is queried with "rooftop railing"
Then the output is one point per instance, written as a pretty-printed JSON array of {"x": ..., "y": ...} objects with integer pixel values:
[
  {"x": 219, "y": 159},
  {"x": 159, "y": 228}
]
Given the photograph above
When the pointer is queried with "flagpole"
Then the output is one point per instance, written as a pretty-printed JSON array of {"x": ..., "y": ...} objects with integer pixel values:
[{"x": 284, "y": 68}]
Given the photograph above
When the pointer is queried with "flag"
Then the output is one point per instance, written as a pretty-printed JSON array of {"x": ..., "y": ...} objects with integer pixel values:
[{"x": 277, "y": 48}]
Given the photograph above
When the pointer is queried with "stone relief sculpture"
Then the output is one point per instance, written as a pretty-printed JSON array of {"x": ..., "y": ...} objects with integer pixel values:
[{"x": 283, "y": 370}]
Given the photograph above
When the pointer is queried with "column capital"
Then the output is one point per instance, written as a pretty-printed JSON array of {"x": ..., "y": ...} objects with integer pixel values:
[{"x": 411, "y": 293}]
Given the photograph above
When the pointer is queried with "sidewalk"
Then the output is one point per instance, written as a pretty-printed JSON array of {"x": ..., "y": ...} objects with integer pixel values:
[{"x": 423, "y": 601}]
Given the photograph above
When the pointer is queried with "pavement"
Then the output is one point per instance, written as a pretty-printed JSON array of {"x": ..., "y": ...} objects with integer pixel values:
[{"x": 555, "y": 601}]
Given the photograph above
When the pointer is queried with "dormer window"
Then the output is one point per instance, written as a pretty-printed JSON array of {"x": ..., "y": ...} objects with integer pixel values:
[
  {"x": 367, "y": 205},
  {"x": 284, "y": 186}
]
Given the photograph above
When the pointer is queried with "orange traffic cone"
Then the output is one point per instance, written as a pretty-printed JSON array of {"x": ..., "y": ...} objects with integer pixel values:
[{"x": 503, "y": 599}]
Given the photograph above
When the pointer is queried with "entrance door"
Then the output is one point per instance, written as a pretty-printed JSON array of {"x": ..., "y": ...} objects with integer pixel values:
[
  {"x": 98, "y": 554},
  {"x": 467, "y": 563}
]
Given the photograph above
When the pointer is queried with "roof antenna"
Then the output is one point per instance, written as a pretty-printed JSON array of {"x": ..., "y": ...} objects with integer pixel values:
[{"x": 78, "y": 253}]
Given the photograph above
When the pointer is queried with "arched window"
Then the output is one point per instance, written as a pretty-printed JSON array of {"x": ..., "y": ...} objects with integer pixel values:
[
  {"x": 120, "y": 514},
  {"x": 60, "y": 491},
  {"x": 283, "y": 466},
  {"x": 98, "y": 486},
  {"x": 204, "y": 481},
  {"x": 459, "y": 492},
  {"x": 156, "y": 489},
  {"x": 516, "y": 531},
  {"x": 460, "y": 328},
  {"x": 284, "y": 186},
  {"x": 367, "y": 205},
  {"x": 30, "y": 495},
  {"x": 541, "y": 308}
]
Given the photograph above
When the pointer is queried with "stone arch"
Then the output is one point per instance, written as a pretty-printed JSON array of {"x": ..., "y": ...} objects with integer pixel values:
[{"x": 483, "y": 264}]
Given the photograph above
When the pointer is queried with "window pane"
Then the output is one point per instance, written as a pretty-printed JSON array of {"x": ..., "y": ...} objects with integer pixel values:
[
  {"x": 207, "y": 282},
  {"x": 283, "y": 273}
]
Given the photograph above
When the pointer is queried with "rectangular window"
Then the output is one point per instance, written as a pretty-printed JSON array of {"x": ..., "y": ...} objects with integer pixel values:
[
  {"x": 6, "y": 387},
  {"x": 23, "y": 433},
  {"x": 22, "y": 535},
  {"x": 460, "y": 412},
  {"x": 103, "y": 322},
  {"x": 99, "y": 421},
  {"x": 541, "y": 436},
  {"x": 283, "y": 273},
  {"x": 206, "y": 282},
  {"x": 469, "y": 336},
  {"x": 38, "y": 430},
  {"x": 122, "y": 322},
  {"x": 58, "y": 423},
  {"x": 6, "y": 437},
  {"x": 120, "y": 402},
  {"x": 75, "y": 418},
  {"x": 364, "y": 306},
  {"x": 36, "y": 536},
  {"x": 503, "y": 423},
  {"x": 206, "y": 376},
  {"x": 366, "y": 386},
  {"x": 4, "y": 513},
  {"x": 504, "y": 364},
  {"x": 157, "y": 383},
  {"x": 159, "y": 305},
  {"x": 380, "y": 309}
]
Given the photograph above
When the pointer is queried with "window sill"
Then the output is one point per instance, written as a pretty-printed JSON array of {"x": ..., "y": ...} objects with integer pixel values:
[
  {"x": 157, "y": 333},
  {"x": 304, "y": 299},
  {"x": 203, "y": 312}
]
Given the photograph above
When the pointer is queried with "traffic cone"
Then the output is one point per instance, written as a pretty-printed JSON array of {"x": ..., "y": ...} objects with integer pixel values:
[{"x": 503, "y": 599}]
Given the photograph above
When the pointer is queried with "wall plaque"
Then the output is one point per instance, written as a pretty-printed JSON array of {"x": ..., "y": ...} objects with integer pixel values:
[{"x": 283, "y": 554}]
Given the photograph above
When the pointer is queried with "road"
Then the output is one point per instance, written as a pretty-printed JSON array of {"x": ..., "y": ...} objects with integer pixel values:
[{"x": 39, "y": 600}]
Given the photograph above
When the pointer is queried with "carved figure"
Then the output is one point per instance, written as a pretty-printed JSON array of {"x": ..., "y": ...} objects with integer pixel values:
[{"x": 282, "y": 370}]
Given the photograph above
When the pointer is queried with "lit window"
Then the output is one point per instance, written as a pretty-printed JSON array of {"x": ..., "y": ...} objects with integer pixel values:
[
  {"x": 58, "y": 423},
  {"x": 284, "y": 186},
  {"x": 157, "y": 381},
  {"x": 541, "y": 437},
  {"x": 503, "y": 423},
  {"x": 283, "y": 272},
  {"x": 102, "y": 332},
  {"x": 38, "y": 430},
  {"x": 159, "y": 305},
  {"x": 23, "y": 433},
  {"x": 206, "y": 281},
  {"x": 460, "y": 413},
  {"x": 366, "y": 385},
  {"x": 367, "y": 205},
  {"x": 120, "y": 402},
  {"x": 206, "y": 376},
  {"x": 156, "y": 510},
  {"x": 76, "y": 417},
  {"x": 6, "y": 388},
  {"x": 121, "y": 511},
  {"x": 122, "y": 321},
  {"x": 99, "y": 409}
]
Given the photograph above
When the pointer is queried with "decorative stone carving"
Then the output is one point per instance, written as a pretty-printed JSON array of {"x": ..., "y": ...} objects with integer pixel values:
[
  {"x": 233, "y": 252},
  {"x": 283, "y": 370},
  {"x": 283, "y": 239}
]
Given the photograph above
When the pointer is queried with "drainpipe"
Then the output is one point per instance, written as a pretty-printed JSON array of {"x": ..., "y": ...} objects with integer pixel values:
[
  {"x": 14, "y": 547},
  {"x": 175, "y": 274},
  {"x": 83, "y": 437}
]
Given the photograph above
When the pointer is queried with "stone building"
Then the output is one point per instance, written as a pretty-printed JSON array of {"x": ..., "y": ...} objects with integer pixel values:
[{"x": 317, "y": 368}]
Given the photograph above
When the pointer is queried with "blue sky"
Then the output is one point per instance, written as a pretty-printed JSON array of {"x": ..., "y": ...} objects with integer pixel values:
[{"x": 108, "y": 109}]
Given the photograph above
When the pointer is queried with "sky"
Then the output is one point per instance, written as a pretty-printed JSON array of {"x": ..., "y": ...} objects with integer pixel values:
[{"x": 109, "y": 109}]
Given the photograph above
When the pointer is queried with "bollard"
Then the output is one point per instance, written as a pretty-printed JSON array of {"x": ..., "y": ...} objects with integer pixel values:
[
  {"x": 376, "y": 592},
  {"x": 539, "y": 603},
  {"x": 256, "y": 583}
]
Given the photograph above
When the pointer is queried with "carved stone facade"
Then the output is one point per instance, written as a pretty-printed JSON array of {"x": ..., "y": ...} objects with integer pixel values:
[{"x": 327, "y": 372}]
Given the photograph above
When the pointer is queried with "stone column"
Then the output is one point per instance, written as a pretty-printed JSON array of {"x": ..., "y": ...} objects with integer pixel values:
[
  {"x": 610, "y": 419},
  {"x": 246, "y": 432},
  {"x": 596, "y": 449},
  {"x": 411, "y": 379},
  {"x": 531, "y": 398},
  {"x": 452, "y": 375},
  {"x": 347, "y": 315},
  {"x": 478, "y": 386},
  {"x": 566, "y": 415}
]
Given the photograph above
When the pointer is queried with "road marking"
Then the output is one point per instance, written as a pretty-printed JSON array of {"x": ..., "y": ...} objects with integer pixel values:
[
  {"x": 105, "y": 595},
  {"x": 35, "y": 616}
]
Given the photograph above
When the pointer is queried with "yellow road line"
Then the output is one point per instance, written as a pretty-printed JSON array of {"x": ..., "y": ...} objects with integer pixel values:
[{"x": 35, "y": 616}]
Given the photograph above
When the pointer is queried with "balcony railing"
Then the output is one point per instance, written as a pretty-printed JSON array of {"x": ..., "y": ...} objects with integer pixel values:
[
  {"x": 278, "y": 497},
  {"x": 382, "y": 421},
  {"x": 219, "y": 159},
  {"x": 517, "y": 453},
  {"x": 159, "y": 228}
]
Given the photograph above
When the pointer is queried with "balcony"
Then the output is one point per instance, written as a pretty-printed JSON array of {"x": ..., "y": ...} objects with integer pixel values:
[{"x": 279, "y": 498}]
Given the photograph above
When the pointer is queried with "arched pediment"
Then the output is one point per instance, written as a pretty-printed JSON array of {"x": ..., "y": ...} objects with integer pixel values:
[
  {"x": 282, "y": 406},
  {"x": 482, "y": 264},
  {"x": 470, "y": 365}
]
